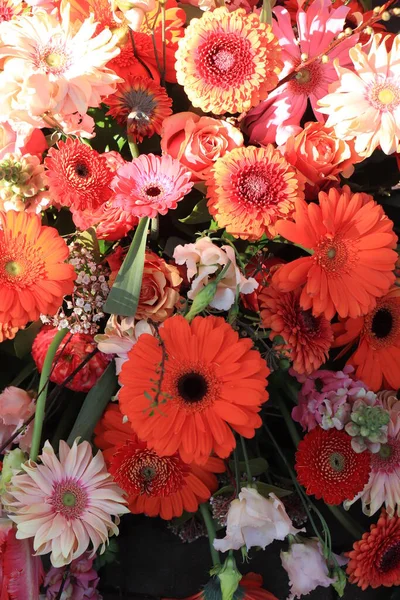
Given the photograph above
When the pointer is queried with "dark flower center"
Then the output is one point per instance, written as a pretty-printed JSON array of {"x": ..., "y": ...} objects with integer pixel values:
[
  {"x": 81, "y": 170},
  {"x": 337, "y": 461},
  {"x": 153, "y": 191},
  {"x": 148, "y": 473},
  {"x": 192, "y": 387},
  {"x": 309, "y": 321},
  {"x": 382, "y": 323},
  {"x": 391, "y": 558}
]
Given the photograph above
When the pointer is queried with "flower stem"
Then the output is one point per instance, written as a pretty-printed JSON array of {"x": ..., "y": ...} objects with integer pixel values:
[
  {"x": 294, "y": 434},
  {"x": 205, "y": 513},
  {"x": 346, "y": 521},
  {"x": 246, "y": 460},
  {"x": 43, "y": 385},
  {"x": 133, "y": 147}
]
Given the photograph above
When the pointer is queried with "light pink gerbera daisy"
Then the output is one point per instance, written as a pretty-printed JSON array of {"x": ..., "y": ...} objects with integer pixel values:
[
  {"x": 151, "y": 185},
  {"x": 278, "y": 117},
  {"x": 364, "y": 105},
  {"x": 383, "y": 487},
  {"x": 66, "y": 504},
  {"x": 51, "y": 66}
]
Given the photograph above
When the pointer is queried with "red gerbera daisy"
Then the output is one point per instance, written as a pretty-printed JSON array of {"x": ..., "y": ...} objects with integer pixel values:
[
  {"x": 375, "y": 559},
  {"x": 69, "y": 355},
  {"x": 328, "y": 467},
  {"x": 79, "y": 177},
  {"x": 155, "y": 485},
  {"x": 307, "y": 338},
  {"x": 141, "y": 105},
  {"x": 210, "y": 379}
]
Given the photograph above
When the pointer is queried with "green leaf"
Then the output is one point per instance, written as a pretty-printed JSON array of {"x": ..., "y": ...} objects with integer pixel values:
[
  {"x": 89, "y": 239},
  {"x": 265, "y": 489},
  {"x": 258, "y": 466},
  {"x": 124, "y": 295},
  {"x": 94, "y": 405},
  {"x": 199, "y": 214},
  {"x": 25, "y": 337}
]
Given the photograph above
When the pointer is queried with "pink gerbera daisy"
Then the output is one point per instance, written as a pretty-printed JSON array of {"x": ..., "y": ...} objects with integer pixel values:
[
  {"x": 66, "y": 504},
  {"x": 151, "y": 185},
  {"x": 278, "y": 117}
]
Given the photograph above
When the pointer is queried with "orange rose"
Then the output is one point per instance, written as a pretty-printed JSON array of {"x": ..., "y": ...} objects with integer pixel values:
[
  {"x": 197, "y": 142},
  {"x": 320, "y": 156}
]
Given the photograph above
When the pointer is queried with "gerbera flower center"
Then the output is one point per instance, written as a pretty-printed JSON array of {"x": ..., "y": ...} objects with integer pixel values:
[
  {"x": 153, "y": 191},
  {"x": 337, "y": 461},
  {"x": 388, "y": 556},
  {"x": 382, "y": 326},
  {"x": 335, "y": 255},
  {"x": 259, "y": 185},
  {"x": 192, "y": 387},
  {"x": 69, "y": 498},
  {"x": 384, "y": 96},
  {"x": 225, "y": 58},
  {"x": 13, "y": 268},
  {"x": 310, "y": 322},
  {"x": 20, "y": 263},
  {"x": 307, "y": 79},
  {"x": 139, "y": 470},
  {"x": 53, "y": 57},
  {"x": 6, "y": 12},
  {"x": 387, "y": 459},
  {"x": 81, "y": 169}
]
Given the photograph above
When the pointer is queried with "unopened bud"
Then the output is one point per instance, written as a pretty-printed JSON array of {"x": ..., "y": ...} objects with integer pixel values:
[
  {"x": 304, "y": 57},
  {"x": 348, "y": 31},
  {"x": 341, "y": 35},
  {"x": 325, "y": 59},
  {"x": 385, "y": 16},
  {"x": 369, "y": 30},
  {"x": 395, "y": 12},
  {"x": 377, "y": 10},
  {"x": 202, "y": 300}
]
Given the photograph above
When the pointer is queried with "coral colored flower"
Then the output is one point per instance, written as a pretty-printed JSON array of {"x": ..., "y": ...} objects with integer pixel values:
[
  {"x": 33, "y": 276},
  {"x": 79, "y": 177},
  {"x": 21, "y": 572},
  {"x": 255, "y": 521},
  {"x": 364, "y": 105},
  {"x": 197, "y": 142},
  {"x": 212, "y": 379},
  {"x": 22, "y": 184},
  {"x": 227, "y": 62},
  {"x": 383, "y": 487},
  {"x": 150, "y": 185},
  {"x": 328, "y": 467},
  {"x": 249, "y": 588},
  {"x": 15, "y": 139},
  {"x": 352, "y": 262},
  {"x": 69, "y": 355},
  {"x": 65, "y": 504},
  {"x": 155, "y": 485},
  {"x": 377, "y": 334},
  {"x": 16, "y": 405},
  {"x": 279, "y": 116},
  {"x": 140, "y": 105},
  {"x": 203, "y": 260},
  {"x": 80, "y": 584},
  {"x": 320, "y": 156},
  {"x": 307, "y": 339},
  {"x": 7, "y": 332},
  {"x": 249, "y": 189},
  {"x": 375, "y": 559},
  {"x": 63, "y": 68}
]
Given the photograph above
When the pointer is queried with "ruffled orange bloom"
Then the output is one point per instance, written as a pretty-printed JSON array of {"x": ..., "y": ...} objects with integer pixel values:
[
  {"x": 249, "y": 189},
  {"x": 208, "y": 381},
  {"x": 307, "y": 339},
  {"x": 227, "y": 62},
  {"x": 377, "y": 358},
  {"x": 155, "y": 485},
  {"x": 33, "y": 276},
  {"x": 375, "y": 559},
  {"x": 352, "y": 259},
  {"x": 7, "y": 332}
]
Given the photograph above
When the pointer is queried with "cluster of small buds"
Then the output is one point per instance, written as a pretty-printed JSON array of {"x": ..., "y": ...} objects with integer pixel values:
[
  {"x": 82, "y": 311},
  {"x": 368, "y": 426},
  {"x": 22, "y": 184},
  {"x": 189, "y": 531},
  {"x": 219, "y": 508}
]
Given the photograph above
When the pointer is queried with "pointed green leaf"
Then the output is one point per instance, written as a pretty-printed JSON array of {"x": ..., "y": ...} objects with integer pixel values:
[
  {"x": 257, "y": 466},
  {"x": 124, "y": 295},
  {"x": 24, "y": 339},
  {"x": 265, "y": 489},
  {"x": 199, "y": 214}
]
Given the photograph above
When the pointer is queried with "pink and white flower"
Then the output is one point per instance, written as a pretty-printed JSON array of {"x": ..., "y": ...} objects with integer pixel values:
[{"x": 16, "y": 405}]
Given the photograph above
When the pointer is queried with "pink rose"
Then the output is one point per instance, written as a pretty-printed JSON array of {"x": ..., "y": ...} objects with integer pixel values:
[{"x": 197, "y": 142}]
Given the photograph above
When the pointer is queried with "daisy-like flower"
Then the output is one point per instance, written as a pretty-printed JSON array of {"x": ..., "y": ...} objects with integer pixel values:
[
  {"x": 140, "y": 105},
  {"x": 375, "y": 559},
  {"x": 377, "y": 356},
  {"x": 33, "y": 276},
  {"x": 78, "y": 176},
  {"x": 352, "y": 261},
  {"x": 151, "y": 185},
  {"x": 63, "y": 68},
  {"x": 278, "y": 117},
  {"x": 383, "y": 487},
  {"x": 210, "y": 379},
  {"x": 365, "y": 104},
  {"x": 328, "y": 467},
  {"x": 227, "y": 62},
  {"x": 66, "y": 504},
  {"x": 307, "y": 339},
  {"x": 155, "y": 485},
  {"x": 249, "y": 189}
]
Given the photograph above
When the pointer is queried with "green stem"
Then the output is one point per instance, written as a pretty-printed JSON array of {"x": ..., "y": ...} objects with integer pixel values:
[
  {"x": 133, "y": 147},
  {"x": 294, "y": 434},
  {"x": 237, "y": 472},
  {"x": 346, "y": 521},
  {"x": 43, "y": 385},
  {"x": 266, "y": 12},
  {"x": 205, "y": 513},
  {"x": 246, "y": 460}
]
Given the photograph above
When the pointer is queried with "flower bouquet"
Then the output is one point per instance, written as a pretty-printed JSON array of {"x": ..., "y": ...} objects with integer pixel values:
[{"x": 199, "y": 291}]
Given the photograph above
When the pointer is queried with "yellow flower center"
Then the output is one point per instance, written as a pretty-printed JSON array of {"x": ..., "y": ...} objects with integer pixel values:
[
  {"x": 303, "y": 76},
  {"x": 13, "y": 268},
  {"x": 69, "y": 499},
  {"x": 386, "y": 96},
  {"x": 55, "y": 60}
]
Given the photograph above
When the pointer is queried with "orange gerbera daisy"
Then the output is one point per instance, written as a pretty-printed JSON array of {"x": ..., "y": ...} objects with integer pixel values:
[
  {"x": 208, "y": 380},
  {"x": 307, "y": 339},
  {"x": 33, "y": 276},
  {"x": 227, "y": 62},
  {"x": 155, "y": 485},
  {"x": 375, "y": 559},
  {"x": 377, "y": 358},
  {"x": 249, "y": 189},
  {"x": 352, "y": 259}
]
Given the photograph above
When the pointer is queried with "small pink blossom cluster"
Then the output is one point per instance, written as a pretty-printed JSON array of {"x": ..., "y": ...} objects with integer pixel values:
[{"x": 80, "y": 584}]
